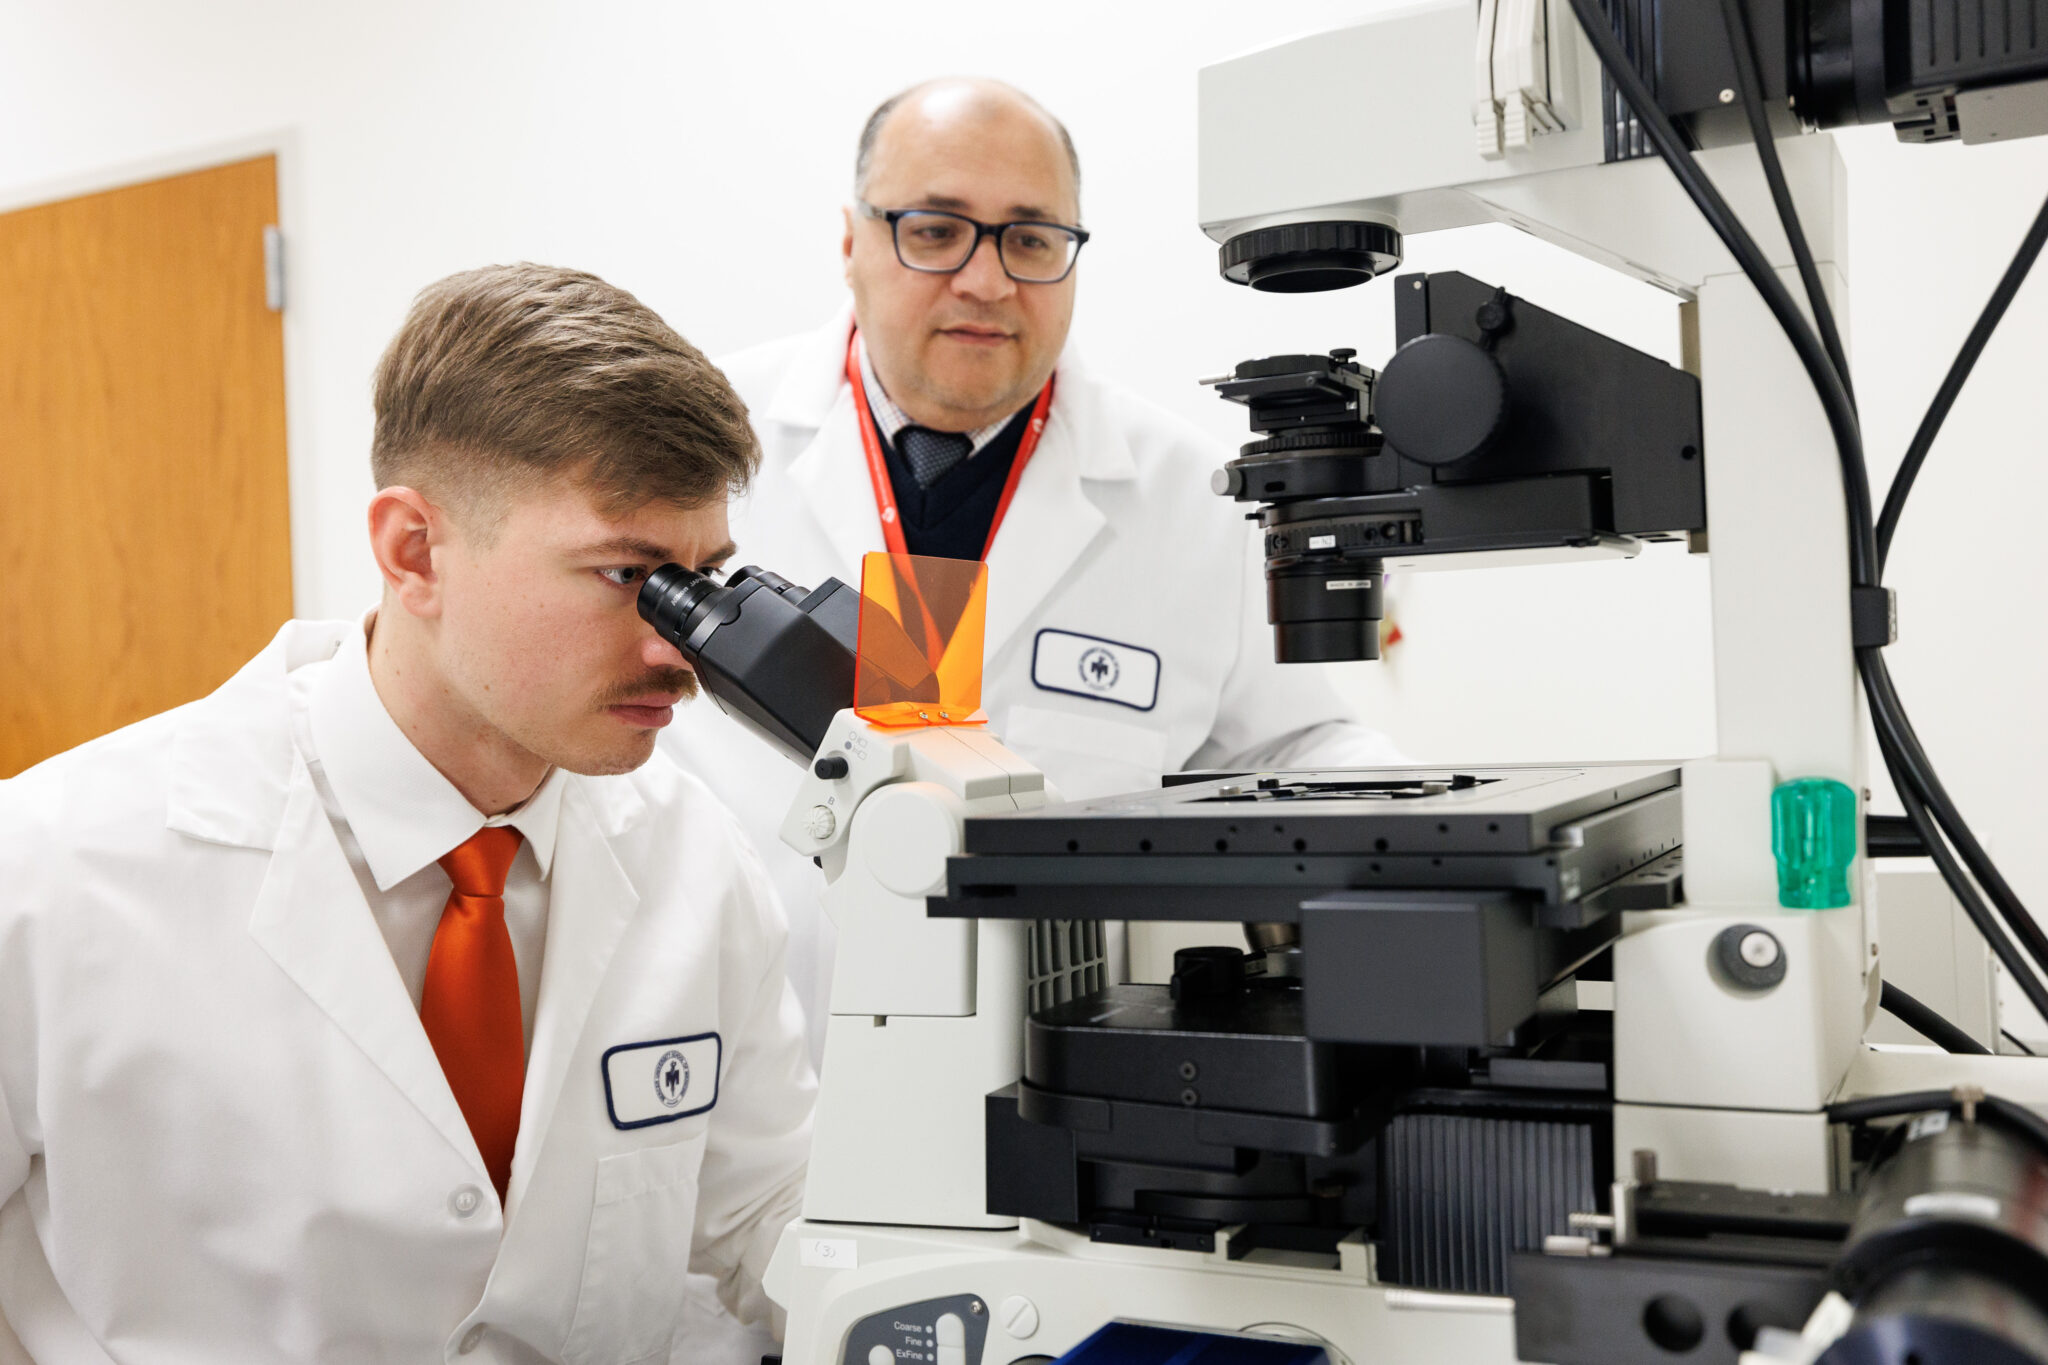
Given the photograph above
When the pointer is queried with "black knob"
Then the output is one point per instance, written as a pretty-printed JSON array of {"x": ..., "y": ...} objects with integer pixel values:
[
  {"x": 831, "y": 768},
  {"x": 1343, "y": 353},
  {"x": 1750, "y": 957},
  {"x": 1441, "y": 399}
]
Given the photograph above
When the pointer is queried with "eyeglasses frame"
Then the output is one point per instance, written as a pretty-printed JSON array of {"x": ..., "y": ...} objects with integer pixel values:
[{"x": 996, "y": 230}]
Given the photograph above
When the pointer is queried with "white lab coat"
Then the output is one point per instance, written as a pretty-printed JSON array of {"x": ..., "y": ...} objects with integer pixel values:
[
  {"x": 224, "y": 1136},
  {"x": 1114, "y": 542}
]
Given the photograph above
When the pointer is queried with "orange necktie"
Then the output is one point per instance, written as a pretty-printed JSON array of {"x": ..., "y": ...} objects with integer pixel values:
[{"x": 470, "y": 1005}]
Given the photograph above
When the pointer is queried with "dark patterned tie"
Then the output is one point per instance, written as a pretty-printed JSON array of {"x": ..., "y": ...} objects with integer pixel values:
[{"x": 931, "y": 453}]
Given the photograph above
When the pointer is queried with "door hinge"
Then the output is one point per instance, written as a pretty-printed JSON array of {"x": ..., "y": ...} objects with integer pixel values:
[{"x": 273, "y": 268}]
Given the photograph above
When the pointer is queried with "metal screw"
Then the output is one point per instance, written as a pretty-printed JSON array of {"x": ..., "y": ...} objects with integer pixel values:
[
  {"x": 1189, "y": 1097},
  {"x": 1727, "y": 97},
  {"x": 974, "y": 1306},
  {"x": 1187, "y": 1071}
]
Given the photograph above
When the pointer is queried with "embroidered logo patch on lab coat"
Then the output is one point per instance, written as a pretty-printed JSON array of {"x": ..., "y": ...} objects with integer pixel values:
[
  {"x": 671, "y": 1078},
  {"x": 1103, "y": 670}
]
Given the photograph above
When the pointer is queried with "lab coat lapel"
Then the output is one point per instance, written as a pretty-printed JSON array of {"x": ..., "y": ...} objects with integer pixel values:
[
  {"x": 311, "y": 918},
  {"x": 832, "y": 476},
  {"x": 1050, "y": 525},
  {"x": 590, "y": 903}
]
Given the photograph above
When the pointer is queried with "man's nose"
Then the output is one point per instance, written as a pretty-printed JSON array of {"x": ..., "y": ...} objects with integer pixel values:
[
  {"x": 983, "y": 276},
  {"x": 656, "y": 652}
]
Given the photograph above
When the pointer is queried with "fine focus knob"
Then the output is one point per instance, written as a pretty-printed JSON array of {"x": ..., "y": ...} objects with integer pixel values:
[
  {"x": 1441, "y": 399},
  {"x": 1750, "y": 957}
]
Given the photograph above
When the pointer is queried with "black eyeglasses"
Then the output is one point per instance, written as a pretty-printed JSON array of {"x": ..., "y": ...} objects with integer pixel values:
[{"x": 940, "y": 243}]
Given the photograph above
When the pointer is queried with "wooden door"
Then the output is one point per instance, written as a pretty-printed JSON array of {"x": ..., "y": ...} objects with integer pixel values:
[{"x": 145, "y": 549}]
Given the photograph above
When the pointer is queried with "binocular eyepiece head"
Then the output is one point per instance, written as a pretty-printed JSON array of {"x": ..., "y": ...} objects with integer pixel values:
[{"x": 776, "y": 656}]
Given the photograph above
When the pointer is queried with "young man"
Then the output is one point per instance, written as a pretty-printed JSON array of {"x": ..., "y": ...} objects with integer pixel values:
[
  {"x": 1127, "y": 633},
  {"x": 389, "y": 1003}
]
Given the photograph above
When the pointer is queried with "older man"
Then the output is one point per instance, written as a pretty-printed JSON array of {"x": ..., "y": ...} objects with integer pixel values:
[{"x": 943, "y": 413}]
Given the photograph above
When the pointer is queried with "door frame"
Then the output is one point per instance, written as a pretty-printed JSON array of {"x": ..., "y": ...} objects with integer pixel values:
[{"x": 284, "y": 144}]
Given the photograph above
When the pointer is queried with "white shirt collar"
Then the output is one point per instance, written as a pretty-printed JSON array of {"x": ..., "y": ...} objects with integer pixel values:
[
  {"x": 891, "y": 419},
  {"x": 403, "y": 812}
]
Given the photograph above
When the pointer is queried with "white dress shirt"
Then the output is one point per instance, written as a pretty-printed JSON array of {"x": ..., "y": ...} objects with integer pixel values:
[{"x": 396, "y": 815}]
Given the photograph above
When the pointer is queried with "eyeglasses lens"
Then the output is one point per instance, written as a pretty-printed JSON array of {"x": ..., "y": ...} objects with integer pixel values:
[
  {"x": 1037, "y": 252},
  {"x": 933, "y": 241}
]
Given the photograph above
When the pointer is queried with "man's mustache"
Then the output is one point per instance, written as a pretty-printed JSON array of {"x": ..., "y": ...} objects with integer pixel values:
[{"x": 678, "y": 680}]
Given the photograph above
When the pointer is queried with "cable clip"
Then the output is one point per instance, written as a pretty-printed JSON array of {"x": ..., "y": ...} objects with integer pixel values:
[
  {"x": 1873, "y": 617},
  {"x": 1969, "y": 1097}
]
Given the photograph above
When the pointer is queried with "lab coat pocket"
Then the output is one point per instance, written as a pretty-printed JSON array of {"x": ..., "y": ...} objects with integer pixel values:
[
  {"x": 1085, "y": 755},
  {"x": 637, "y": 1255}
]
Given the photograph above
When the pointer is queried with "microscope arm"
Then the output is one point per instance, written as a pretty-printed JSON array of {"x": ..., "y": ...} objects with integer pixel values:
[{"x": 926, "y": 1014}]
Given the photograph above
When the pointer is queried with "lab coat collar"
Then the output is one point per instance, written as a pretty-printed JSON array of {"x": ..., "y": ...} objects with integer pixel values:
[
  {"x": 232, "y": 752},
  {"x": 403, "y": 812},
  {"x": 1051, "y": 523},
  {"x": 334, "y": 951}
]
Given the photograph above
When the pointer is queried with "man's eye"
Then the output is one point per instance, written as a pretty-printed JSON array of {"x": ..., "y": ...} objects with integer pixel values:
[{"x": 626, "y": 577}]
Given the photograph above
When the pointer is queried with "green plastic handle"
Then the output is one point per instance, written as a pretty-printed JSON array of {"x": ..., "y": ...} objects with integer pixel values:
[{"x": 1813, "y": 834}]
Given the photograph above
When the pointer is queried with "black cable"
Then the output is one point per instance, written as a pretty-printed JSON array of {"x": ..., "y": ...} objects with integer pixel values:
[
  {"x": 1967, "y": 895},
  {"x": 1841, "y": 413},
  {"x": 1901, "y": 748},
  {"x": 1895, "y": 732},
  {"x": 1938, "y": 1101},
  {"x": 1750, "y": 84},
  {"x": 1889, "y": 1106},
  {"x": 1952, "y": 384},
  {"x": 2007, "y": 1034},
  {"x": 1926, "y": 1022},
  {"x": 2019, "y": 1116}
]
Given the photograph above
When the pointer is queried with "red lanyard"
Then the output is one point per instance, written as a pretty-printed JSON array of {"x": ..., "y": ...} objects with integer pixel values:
[{"x": 878, "y": 468}]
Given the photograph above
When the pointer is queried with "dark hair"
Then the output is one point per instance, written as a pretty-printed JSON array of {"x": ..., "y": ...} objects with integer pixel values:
[
  {"x": 863, "y": 160},
  {"x": 513, "y": 373}
]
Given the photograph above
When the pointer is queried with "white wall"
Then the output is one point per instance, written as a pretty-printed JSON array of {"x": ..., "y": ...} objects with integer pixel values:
[{"x": 697, "y": 155}]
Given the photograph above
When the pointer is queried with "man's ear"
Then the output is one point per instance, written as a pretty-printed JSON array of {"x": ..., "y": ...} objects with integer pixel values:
[
  {"x": 405, "y": 531},
  {"x": 846, "y": 245}
]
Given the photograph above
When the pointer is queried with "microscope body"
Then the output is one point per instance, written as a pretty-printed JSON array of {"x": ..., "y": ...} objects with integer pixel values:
[{"x": 1718, "y": 1082}]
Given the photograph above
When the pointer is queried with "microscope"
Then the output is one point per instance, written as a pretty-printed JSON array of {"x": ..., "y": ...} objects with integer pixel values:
[{"x": 1557, "y": 1063}]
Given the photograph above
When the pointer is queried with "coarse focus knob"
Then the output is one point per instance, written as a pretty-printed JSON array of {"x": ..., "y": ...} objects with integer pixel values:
[
  {"x": 831, "y": 768},
  {"x": 1441, "y": 399}
]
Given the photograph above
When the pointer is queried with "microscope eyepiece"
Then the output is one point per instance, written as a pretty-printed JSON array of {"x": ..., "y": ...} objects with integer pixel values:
[{"x": 675, "y": 600}]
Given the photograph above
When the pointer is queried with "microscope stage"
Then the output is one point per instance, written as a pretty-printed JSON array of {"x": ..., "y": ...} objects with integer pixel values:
[{"x": 1582, "y": 841}]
